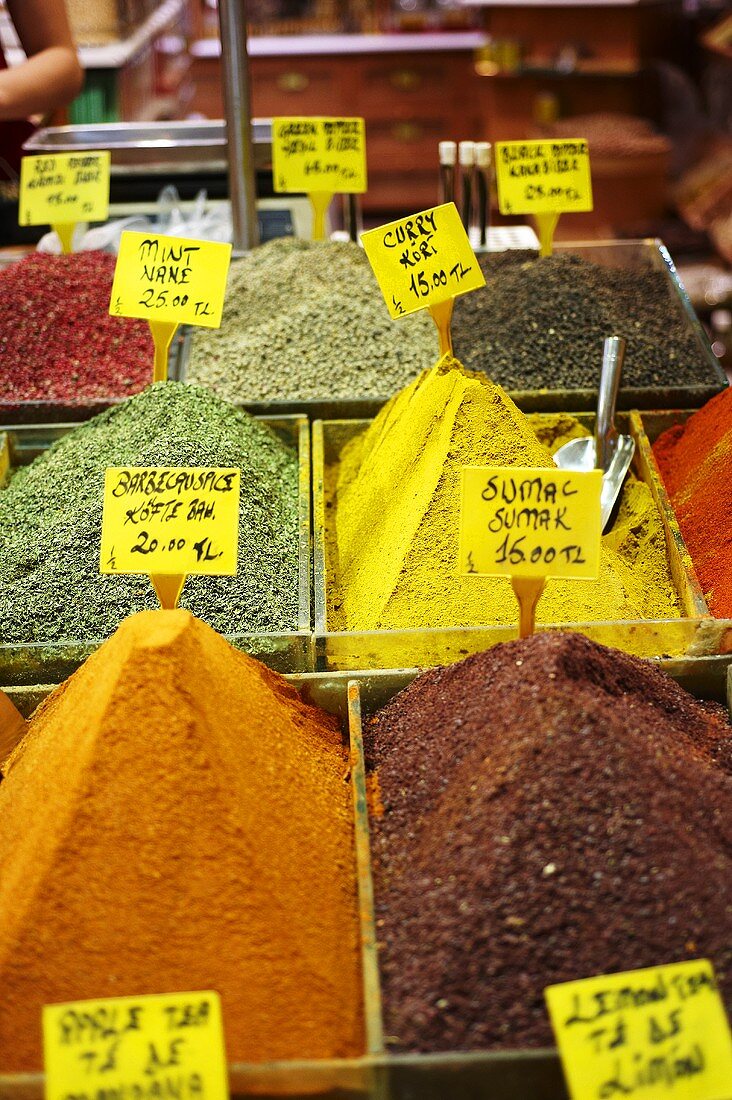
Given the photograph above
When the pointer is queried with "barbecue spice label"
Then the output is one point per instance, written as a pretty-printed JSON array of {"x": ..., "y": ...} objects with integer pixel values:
[
  {"x": 541, "y": 177},
  {"x": 525, "y": 522},
  {"x": 170, "y": 520},
  {"x": 319, "y": 154},
  {"x": 170, "y": 279},
  {"x": 422, "y": 260},
  {"x": 158, "y": 1045},
  {"x": 644, "y": 1033},
  {"x": 63, "y": 188}
]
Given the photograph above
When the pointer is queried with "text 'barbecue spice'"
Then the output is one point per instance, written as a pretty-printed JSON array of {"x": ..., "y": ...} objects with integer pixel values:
[
  {"x": 175, "y": 819},
  {"x": 544, "y": 811}
]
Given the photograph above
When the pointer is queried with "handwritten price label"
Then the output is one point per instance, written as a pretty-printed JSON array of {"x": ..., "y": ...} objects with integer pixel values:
[
  {"x": 159, "y": 1045},
  {"x": 526, "y": 522},
  {"x": 171, "y": 279},
  {"x": 422, "y": 260},
  {"x": 170, "y": 520},
  {"x": 65, "y": 187},
  {"x": 319, "y": 154},
  {"x": 645, "y": 1033},
  {"x": 541, "y": 177}
]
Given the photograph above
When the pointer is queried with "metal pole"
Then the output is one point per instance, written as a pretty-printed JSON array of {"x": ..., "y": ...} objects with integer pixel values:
[{"x": 237, "y": 108}]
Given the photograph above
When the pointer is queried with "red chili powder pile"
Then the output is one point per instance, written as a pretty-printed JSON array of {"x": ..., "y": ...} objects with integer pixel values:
[
  {"x": 57, "y": 339},
  {"x": 177, "y": 819},
  {"x": 694, "y": 459}
]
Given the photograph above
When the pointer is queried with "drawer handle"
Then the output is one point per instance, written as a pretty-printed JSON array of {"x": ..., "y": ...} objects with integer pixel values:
[
  {"x": 406, "y": 132},
  {"x": 405, "y": 80},
  {"x": 292, "y": 82}
]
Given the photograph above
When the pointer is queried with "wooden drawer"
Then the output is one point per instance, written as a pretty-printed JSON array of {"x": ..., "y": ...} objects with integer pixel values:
[
  {"x": 297, "y": 86},
  {"x": 397, "y": 143},
  {"x": 400, "y": 192},
  {"x": 405, "y": 85}
]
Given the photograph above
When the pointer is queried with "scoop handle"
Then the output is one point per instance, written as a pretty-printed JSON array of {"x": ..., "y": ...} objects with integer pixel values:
[{"x": 613, "y": 354}]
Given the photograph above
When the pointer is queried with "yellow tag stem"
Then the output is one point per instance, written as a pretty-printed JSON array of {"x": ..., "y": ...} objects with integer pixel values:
[
  {"x": 320, "y": 201},
  {"x": 528, "y": 592},
  {"x": 441, "y": 314},
  {"x": 546, "y": 224},
  {"x": 162, "y": 334},
  {"x": 168, "y": 587},
  {"x": 65, "y": 233}
]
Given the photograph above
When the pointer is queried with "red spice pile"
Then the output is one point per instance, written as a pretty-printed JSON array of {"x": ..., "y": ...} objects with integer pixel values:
[
  {"x": 549, "y": 810},
  {"x": 694, "y": 460},
  {"x": 57, "y": 339}
]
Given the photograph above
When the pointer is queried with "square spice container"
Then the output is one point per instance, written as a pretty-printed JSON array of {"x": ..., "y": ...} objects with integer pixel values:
[
  {"x": 649, "y": 254},
  {"x": 641, "y": 255},
  {"x": 289, "y": 651},
  {"x": 693, "y": 634},
  {"x": 379, "y": 1074}
]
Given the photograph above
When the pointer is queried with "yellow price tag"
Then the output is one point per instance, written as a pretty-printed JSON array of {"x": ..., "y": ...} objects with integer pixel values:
[
  {"x": 542, "y": 177},
  {"x": 644, "y": 1033},
  {"x": 422, "y": 260},
  {"x": 526, "y": 522},
  {"x": 157, "y": 1045},
  {"x": 170, "y": 279},
  {"x": 170, "y": 520},
  {"x": 319, "y": 154},
  {"x": 63, "y": 188}
]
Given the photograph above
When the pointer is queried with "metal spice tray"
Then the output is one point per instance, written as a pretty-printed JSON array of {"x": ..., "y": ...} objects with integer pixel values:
[
  {"x": 695, "y": 634},
  {"x": 52, "y": 662},
  {"x": 637, "y": 255},
  {"x": 634, "y": 255},
  {"x": 182, "y": 147},
  {"x": 379, "y": 1074}
]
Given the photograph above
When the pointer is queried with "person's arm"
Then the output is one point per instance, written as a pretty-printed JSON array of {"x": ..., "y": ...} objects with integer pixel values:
[{"x": 51, "y": 76}]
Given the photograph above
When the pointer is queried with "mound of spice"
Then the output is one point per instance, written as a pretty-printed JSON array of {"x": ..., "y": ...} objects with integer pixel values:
[
  {"x": 51, "y": 514},
  {"x": 539, "y": 324},
  {"x": 176, "y": 818},
  {"x": 58, "y": 342},
  {"x": 306, "y": 320},
  {"x": 393, "y": 531},
  {"x": 693, "y": 459},
  {"x": 545, "y": 811}
]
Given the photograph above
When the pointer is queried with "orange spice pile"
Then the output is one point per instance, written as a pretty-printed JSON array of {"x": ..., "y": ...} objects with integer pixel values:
[{"x": 177, "y": 819}]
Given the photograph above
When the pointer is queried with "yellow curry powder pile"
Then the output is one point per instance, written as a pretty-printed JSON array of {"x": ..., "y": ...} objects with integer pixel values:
[
  {"x": 176, "y": 818},
  {"x": 393, "y": 551}
]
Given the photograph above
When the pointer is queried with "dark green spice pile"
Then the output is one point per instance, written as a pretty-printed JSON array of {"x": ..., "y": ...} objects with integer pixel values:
[
  {"x": 305, "y": 320},
  {"x": 550, "y": 810},
  {"x": 540, "y": 324},
  {"x": 50, "y": 521}
]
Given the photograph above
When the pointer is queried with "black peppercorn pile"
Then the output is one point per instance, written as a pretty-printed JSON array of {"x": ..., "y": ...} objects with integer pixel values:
[
  {"x": 540, "y": 324},
  {"x": 545, "y": 811}
]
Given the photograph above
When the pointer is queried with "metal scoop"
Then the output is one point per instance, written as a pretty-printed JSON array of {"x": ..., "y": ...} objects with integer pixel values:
[{"x": 608, "y": 451}]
